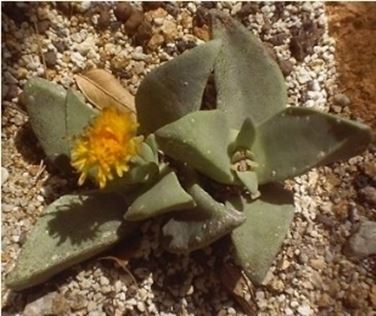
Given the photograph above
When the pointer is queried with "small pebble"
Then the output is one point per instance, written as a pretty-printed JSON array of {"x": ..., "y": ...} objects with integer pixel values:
[
  {"x": 144, "y": 33},
  {"x": 286, "y": 66},
  {"x": 123, "y": 11},
  {"x": 304, "y": 310},
  {"x": 369, "y": 194},
  {"x": 43, "y": 26},
  {"x": 104, "y": 18},
  {"x": 50, "y": 58},
  {"x": 133, "y": 22},
  {"x": 342, "y": 100},
  {"x": 363, "y": 242}
]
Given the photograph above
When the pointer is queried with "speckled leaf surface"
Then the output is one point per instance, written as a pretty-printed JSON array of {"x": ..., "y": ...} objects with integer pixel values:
[
  {"x": 45, "y": 104},
  {"x": 249, "y": 82},
  {"x": 298, "y": 139},
  {"x": 258, "y": 240},
  {"x": 175, "y": 88},
  {"x": 165, "y": 196},
  {"x": 70, "y": 230},
  {"x": 78, "y": 114},
  {"x": 200, "y": 139},
  {"x": 201, "y": 226}
]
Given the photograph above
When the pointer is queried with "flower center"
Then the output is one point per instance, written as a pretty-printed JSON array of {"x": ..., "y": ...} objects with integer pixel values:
[{"x": 106, "y": 146}]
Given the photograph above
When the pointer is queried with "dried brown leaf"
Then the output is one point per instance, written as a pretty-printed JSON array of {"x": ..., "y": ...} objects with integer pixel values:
[
  {"x": 102, "y": 89},
  {"x": 240, "y": 287}
]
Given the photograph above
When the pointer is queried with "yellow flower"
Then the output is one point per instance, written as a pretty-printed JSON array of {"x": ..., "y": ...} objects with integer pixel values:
[{"x": 106, "y": 146}]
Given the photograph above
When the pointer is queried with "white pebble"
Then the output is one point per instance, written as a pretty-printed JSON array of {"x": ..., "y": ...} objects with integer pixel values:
[
  {"x": 141, "y": 306},
  {"x": 78, "y": 59},
  {"x": 192, "y": 7},
  {"x": 85, "y": 5},
  {"x": 104, "y": 281},
  {"x": 304, "y": 310},
  {"x": 307, "y": 6},
  {"x": 289, "y": 311},
  {"x": 294, "y": 304},
  {"x": 4, "y": 175}
]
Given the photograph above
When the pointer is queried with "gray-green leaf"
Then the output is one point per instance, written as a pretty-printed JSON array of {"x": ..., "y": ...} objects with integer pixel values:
[
  {"x": 246, "y": 135},
  {"x": 298, "y": 139},
  {"x": 78, "y": 114},
  {"x": 249, "y": 82},
  {"x": 70, "y": 230},
  {"x": 175, "y": 88},
  {"x": 45, "y": 104},
  {"x": 201, "y": 226},
  {"x": 249, "y": 180},
  {"x": 165, "y": 196},
  {"x": 200, "y": 139},
  {"x": 258, "y": 240}
]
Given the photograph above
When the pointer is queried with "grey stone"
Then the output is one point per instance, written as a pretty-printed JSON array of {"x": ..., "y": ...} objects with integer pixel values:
[
  {"x": 363, "y": 242},
  {"x": 369, "y": 194},
  {"x": 41, "y": 306}
]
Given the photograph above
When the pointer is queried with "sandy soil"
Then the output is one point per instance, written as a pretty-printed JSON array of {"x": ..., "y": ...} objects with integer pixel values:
[{"x": 353, "y": 25}]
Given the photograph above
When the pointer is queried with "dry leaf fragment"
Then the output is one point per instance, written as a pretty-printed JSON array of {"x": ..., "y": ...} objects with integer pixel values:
[
  {"x": 122, "y": 253},
  {"x": 123, "y": 265},
  {"x": 240, "y": 287},
  {"x": 102, "y": 89}
]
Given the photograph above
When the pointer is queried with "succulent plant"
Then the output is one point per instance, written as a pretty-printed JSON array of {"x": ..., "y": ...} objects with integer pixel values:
[{"x": 247, "y": 145}]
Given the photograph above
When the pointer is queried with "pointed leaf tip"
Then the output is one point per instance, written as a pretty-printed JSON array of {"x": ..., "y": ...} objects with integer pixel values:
[
  {"x": 200, "y": 139},
  {"x": 175, "y": 88},
  {"x": 298, "y": 139},
  {"x": 165, "y": 196},
  {"x": 259, "y": 239},
  {"x": 249, "y": 82},
  {"x": 46, "y": 108}
]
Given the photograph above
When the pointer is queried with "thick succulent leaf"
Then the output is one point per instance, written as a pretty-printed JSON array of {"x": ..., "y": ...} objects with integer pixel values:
[
  {"x": 45, "y": 104},
  {"x": 249, "y": 82},
  {"x": 147, "y": 153},
  {"x": 298, "y": 139},
  {"x": 249, "y": 180},
  {"x": 78, "y": 114},
  {"x": 70, "y": 230},
  {"x": 246, "y": 135},
  {"x": 200, "y": 139},
  {"x": 165, "y": 196},
  {"x": 137, "y": 175},
  {"x": 150, "y": 140},
  {"x": 201, "y": 226},
  {"x": 258, "y": 240},
  {"x": 176, "y": 88},
  {"x": 143, "y": 168}
]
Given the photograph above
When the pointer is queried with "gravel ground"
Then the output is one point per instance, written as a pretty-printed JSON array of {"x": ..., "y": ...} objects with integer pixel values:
[{"x": 312, "y": 275}]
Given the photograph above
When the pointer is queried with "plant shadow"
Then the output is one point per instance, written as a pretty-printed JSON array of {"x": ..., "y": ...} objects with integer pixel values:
[
  {"x": 83, "y": 217},
  {"x": 27, "y": 144}
]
